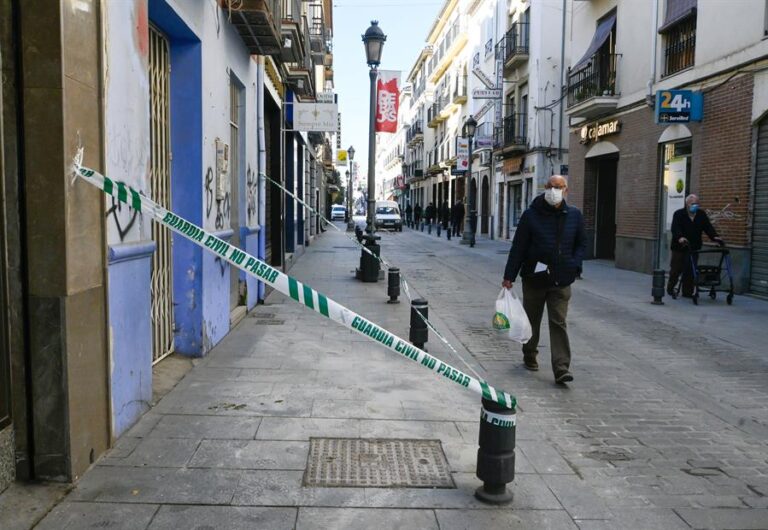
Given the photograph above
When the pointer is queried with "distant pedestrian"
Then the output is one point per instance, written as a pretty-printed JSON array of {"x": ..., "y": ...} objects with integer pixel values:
[
  {"x": 547, "y": 252},
  {"x": 457, "y": 215},
  {"x": 688, "y": 223},
  {"x": 408, "y": 215},
  {"x": 445, "y": 217},
  {"x": 417, "y": 215},
  {"x": 429, "y": 214}
]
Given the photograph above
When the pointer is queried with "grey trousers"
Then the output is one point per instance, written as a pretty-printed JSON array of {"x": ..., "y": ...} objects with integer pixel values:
[{"x": 556, "y": 299}]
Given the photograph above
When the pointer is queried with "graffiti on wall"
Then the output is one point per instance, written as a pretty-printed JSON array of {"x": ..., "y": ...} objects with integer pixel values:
[
  {"x": 252, "y": 190},
  {"x": 223, "y": 206},
  {"x": 122, "y": 216}
]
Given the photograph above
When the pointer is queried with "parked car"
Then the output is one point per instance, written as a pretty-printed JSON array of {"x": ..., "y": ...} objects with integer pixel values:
[
  {"x": 388, "y": 215},
  {"x": 338, "y": 212}
]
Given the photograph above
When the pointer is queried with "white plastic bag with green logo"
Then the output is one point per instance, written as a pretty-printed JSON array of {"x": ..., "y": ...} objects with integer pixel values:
[{"x": 510, "y": 317}]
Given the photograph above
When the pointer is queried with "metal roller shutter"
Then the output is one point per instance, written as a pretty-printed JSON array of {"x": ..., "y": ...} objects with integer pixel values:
[{"x": 759, "y": 277}]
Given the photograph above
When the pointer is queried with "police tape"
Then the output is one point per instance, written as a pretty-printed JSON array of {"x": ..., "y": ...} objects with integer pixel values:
[
  {"x": 506, "y": 421},
  {"x": 403, "y": 281},
  {"x": 289, "y": 286},
  {"x": 314, "y": 211}
]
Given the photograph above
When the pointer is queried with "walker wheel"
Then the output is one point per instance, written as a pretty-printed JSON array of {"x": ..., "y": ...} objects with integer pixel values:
[
  {"x": 695, "y": 299},
  {"x": 713, "y": 295}
]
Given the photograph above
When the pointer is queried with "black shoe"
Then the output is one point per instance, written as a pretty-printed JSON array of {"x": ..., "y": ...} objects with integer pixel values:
[
  {"x": 563, "y": 378},
  {"x": 533, "y": 366}
]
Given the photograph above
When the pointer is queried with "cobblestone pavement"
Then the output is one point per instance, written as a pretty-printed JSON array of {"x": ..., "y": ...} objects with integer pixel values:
[{"x": 664, "y": 426}]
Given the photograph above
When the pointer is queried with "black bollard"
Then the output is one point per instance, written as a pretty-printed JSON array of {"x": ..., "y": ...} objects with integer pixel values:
[
  {"x": 422, "y": 226},
  {"x": 359, "y": 234},
  {"x": 393, "y": 285},
  {"x": 448, "y": 232},
  {"x": 658, "y": 287},
  {"x": 496, "y": 455},
  {"x": 419, "y": 332},
  {"x": 369, "y": 264}
]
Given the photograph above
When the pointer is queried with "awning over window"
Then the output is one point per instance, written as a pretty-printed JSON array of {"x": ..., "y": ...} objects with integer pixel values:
[
  {"x": 601, "y": 35},
  {"x": 677, "y": 11}
]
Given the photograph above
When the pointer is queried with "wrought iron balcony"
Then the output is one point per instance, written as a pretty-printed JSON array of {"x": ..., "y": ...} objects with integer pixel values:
[
  {"x": 433, "y": 114},
  {"x": 460, "y": 90},
  {"x": 592, "y": 87},
  {"x": 415, "y": 134},
  {"x": 259, "y": 24},
  {"x": 516, "y": 44},
  {"x": 512, "y": 135}
]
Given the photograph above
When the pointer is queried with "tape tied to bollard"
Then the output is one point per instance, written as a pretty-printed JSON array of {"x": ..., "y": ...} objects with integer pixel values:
[
  {"x": 499, "y": 420},
  {"x": 289, "y": 286}
]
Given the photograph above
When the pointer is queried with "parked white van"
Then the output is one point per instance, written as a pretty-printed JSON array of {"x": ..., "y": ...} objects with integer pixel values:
[{"x": 388, "y": 215}]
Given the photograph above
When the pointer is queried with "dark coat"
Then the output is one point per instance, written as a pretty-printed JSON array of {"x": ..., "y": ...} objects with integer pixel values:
[
  {"x": 417, "y": 211},
  {"x": 457, "y": 213},
  {"x": 690, "y": 229},
  {"x": 445, "y": 213},
  {"x": 429, "y": 213},
  {"x": 548, "y": 235}
]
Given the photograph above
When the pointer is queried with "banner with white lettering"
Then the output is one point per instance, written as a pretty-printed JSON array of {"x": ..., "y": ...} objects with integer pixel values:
[{"x": 387, "y": 100}]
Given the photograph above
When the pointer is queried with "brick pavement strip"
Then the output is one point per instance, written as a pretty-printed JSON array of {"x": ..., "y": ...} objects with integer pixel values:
[{"x": 650, "y": 435}]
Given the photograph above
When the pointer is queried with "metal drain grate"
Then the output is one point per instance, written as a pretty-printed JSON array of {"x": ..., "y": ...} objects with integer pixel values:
[{"x": 377, "y": 463}]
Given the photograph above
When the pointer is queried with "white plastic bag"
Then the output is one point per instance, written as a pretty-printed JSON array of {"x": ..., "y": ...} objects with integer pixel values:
[{"x": 511, "y": 318}]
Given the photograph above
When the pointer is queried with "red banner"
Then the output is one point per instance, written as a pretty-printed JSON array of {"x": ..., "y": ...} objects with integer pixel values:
[{"x": 387, "y": 101}]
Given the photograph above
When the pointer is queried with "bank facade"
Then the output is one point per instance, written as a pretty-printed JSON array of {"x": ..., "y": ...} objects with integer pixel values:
[{"x": 631, "y": 168}]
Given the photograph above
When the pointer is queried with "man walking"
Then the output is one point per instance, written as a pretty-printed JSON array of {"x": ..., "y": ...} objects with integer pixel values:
[
  {"x": 408, "y": 215},
  {"x": 457, "y": 213},
  {"x": 417, "y": 215},
  {"x": 445, "y": 218},
  {"x": 687, "y": 226},
  {"x": 429, "y": 213},
  {"x": 547, "y": 251}
]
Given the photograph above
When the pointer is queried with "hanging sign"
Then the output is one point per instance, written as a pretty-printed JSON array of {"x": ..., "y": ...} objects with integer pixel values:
[
  {"x": 387, "y": 101},
  {"x": 489, "y": 93},
  {"x": 679, "y": 106},
  {"x": 484, "y": 78},
  {"x": 462, "y": 154},
  {"x": 341, "y": 157},
  {"x": 315, "y": 117}
]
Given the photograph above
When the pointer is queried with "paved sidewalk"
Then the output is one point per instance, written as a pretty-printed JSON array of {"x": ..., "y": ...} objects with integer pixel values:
[{"x": 664, "y": 427}]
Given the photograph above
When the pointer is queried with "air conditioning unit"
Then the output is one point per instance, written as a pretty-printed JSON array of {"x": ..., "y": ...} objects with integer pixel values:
[{"x": 485, "y": 158}]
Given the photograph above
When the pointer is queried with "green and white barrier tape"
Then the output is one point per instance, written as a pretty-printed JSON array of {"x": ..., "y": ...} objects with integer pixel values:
[
  {"x": 407, "y": 291},
  {"x": 289, "y": 286}
]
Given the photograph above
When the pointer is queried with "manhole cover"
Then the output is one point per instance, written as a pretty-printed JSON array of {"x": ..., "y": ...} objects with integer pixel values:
[{"x": 377, "y": 463}]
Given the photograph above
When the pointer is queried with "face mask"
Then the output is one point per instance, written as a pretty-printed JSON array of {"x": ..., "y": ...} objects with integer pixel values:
[
  {"x": 553, "y": 196},
  {"x": 694, "y": 208}
]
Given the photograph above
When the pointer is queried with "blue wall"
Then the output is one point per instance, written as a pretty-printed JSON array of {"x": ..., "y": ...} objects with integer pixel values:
[
  {"x": 299, "y": 190},
  {"x": 186, "y": 172},
  {"x": 131, "y": 332}
]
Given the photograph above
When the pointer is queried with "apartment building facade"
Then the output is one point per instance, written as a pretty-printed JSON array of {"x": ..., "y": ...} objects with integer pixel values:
[
  {"x": 180, "y": 101},
  {"x": 630, "y": 170}
]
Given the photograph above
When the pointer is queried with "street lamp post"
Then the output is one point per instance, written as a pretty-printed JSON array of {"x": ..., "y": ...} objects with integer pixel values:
[
  {"x": 351, "y": 174},
  {"x": 369, "y": 263},
  {"x": 468, "y": 236},
  {"x": 374, "y": 43}
]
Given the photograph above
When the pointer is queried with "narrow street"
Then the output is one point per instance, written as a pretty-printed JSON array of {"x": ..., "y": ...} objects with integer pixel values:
[{"x": 664, "y": 426}]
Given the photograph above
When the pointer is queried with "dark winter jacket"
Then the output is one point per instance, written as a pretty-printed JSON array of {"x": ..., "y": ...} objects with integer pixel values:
[
  {"x": 690, "y": 229},
  {"x": 417, "y": 212},
  {"x": 457, "y": 213},
  {"x": 429, "y": 213},
  {"x": 445, "y": 213},
  {"x": 548, "y": 235}
]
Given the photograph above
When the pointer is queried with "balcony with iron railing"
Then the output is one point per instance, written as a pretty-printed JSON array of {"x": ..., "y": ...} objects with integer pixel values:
[
  {"x": 414, "y": 134},
  {"x": 460, "y": 90},
  {"x": 593, "y": 86},
  {"x": 454, "y": 42},
  {"x": 511, "y": 136},
  {"x": 294, "y": 32},
  {"x": 516, "y": 43},
  {"x": 259, "y": 24},
  {"x": 433, "y": 114}
]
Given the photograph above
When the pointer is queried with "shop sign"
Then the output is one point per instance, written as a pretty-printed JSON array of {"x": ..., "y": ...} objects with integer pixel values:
[
  {"x": 595, "y": 131},
  {"x": 512, "y": 165},
  {"x": 462, "y": 153},
  {"x": 341, "y": 157},
  {"x": 679, "y": 106},
  {"x": 486, "y": 93}
]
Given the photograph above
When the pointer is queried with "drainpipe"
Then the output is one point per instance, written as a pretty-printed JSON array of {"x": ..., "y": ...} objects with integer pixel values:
[
  {"x": 262, "y": 167},
  {"x": 562, "y": 86},
  {"x": 654, "y": 41}
]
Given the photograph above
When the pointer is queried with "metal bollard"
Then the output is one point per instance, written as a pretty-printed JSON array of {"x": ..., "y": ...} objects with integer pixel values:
[
  {"x": 369, "y": 265},
  {"x": 496, "y": 455},
  {"x": 393, "y": 285},
  {"x": 419, "y": 333},
  {"x": 658, "y": 287},
  {"x": 422, "y": 226},
  {"x": 448, "y": 232},
  {"x": 439, "y": 226},
  {"x": 429, "y": 228}
]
